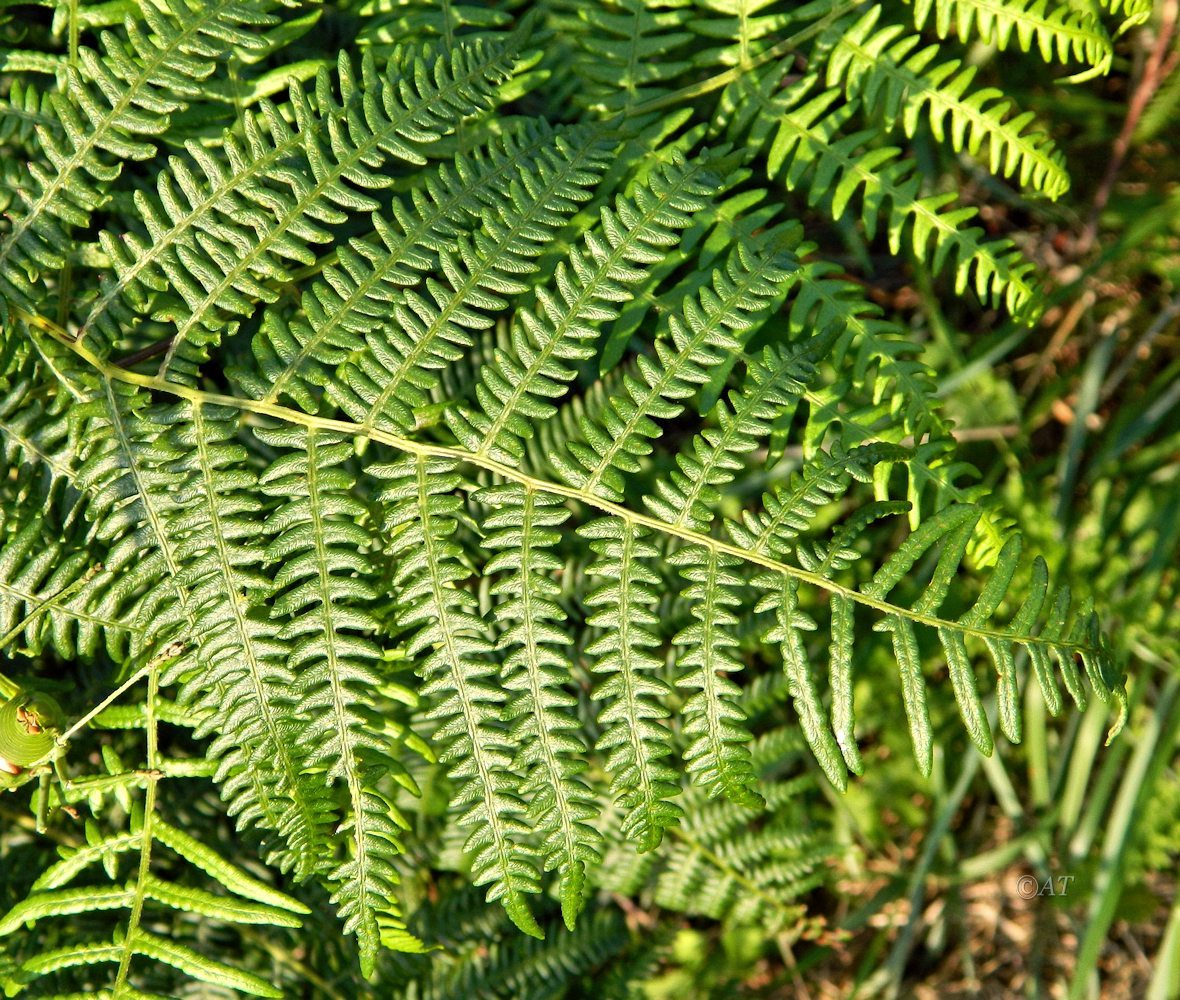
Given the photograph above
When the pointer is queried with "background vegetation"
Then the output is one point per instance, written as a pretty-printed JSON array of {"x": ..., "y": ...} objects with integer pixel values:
[{"x": 905, "y": 884}]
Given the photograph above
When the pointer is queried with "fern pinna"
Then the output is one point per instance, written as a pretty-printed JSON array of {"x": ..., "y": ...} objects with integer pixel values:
[{"x": 474, "y": 414}]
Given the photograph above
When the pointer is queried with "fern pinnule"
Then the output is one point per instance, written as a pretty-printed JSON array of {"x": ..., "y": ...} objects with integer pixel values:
[
  {"x": 323, "y": 543},
  {"x": 773, "y": 382},
  {"x": 805, "y": 137},
  {"x": 1057, "y": 32},
  {"x": 716, "y": 757},
  {"x": 216, "y": 236},
  {"x": 706, "y": 327},
  {"x": 634, "y": 733},
  {"x": 236, "y": 681}
]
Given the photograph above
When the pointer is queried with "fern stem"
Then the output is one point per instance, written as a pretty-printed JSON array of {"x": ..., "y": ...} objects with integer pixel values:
[
  {"x": 110, "y": 699},
  {"x": 422, "y": 449},
  {"x": 45, "y": 605},
  {"x": 146, "y": 840}
]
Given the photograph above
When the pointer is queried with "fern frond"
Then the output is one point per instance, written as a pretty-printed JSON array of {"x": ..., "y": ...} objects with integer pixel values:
[
  {"x": 633, "y": 235},
  {"x": 551, "y": 757},
  {"x": 47, "y": 593},
  {"x": 238, "y": 680},
  {"x": 739, "y": 30},
  {"x": 65, "y": 890},
  {"x": 515, "y": 440},
  {"x": 715, "y": 230},
  {"x": 716, "y": 757},
  {"x": 323, "y": 548},
  {"x": 1056, "y": 635},
  {"x": 705, "y": 329},
  {"x": 37, "y": 449},
  {"x": 726, "y": 311},
  {"x": 955, "y": 524},
  {"x": 879, "y": 65},
  {"x": 458, "y": 672},
  {"x": 632, "y": 718},
  {"x": 826, "y": 300},
  {"x": 1058, "y": 31},
  {"x": 807, "y": 143},
  {"x": 190, "y": 563},
  {"x": 774, "y": 528},
  {"x": 349, "y": 301},
  {"x": 632, "y": 51},
  {"x": 716, "y": 864},
  {"x": 383, "y": 385},
  {"x": 22, "y": 111},
  {"x": 494, "y": 964},
  {"x": 114, "y": 108},
  {"x": 688, "y": 496},
  {"x": 216, "y": 235},
  {"x": 115, "y": 474}
]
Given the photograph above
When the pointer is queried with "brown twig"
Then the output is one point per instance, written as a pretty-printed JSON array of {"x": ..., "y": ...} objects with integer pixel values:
[
  {"x": 144, "y": 353},
  {"x": 1057, "y": 341},
  {"x": 1155, "y": 71}
]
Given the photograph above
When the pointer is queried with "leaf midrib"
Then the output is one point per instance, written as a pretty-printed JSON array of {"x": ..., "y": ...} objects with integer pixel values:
[{"x": 512, "y": 474}]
